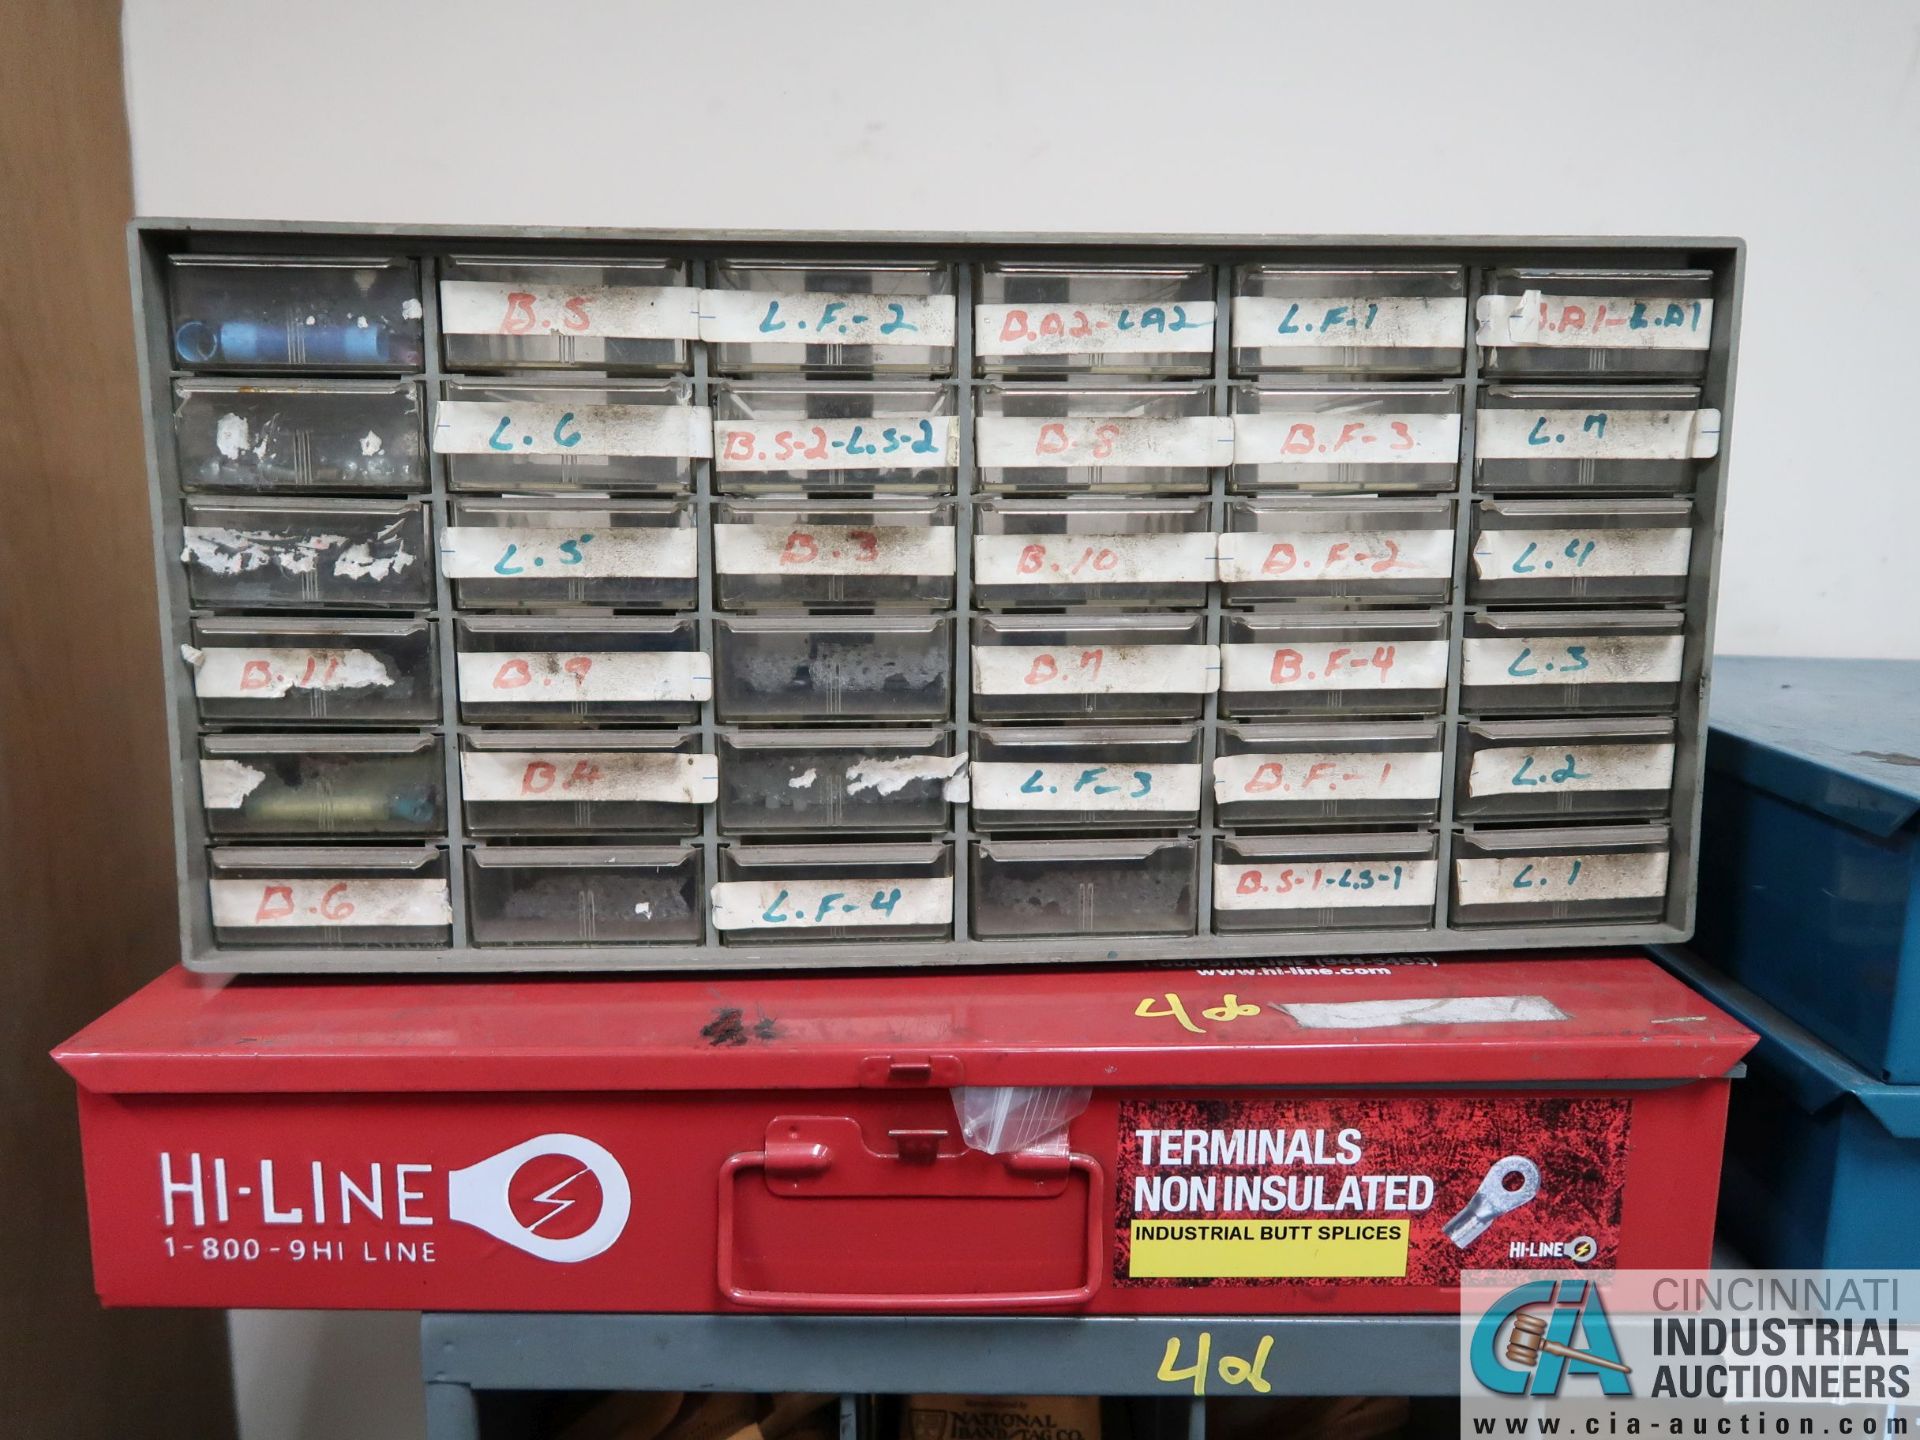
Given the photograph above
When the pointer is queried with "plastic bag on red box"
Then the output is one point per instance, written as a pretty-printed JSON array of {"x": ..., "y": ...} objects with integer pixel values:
[{"x": 1002, "y": 1119}]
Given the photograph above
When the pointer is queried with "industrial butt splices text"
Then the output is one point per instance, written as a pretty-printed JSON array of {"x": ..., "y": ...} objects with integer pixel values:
[{"x": 1411, "y": 1190}]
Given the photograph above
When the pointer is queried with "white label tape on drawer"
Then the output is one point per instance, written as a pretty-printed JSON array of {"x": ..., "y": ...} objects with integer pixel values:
[
  {"x": 267, "y": 674},
  {"x": 1323, "y": 884},
  {"x": 1074, "y": 785},
  {"x": 1095, "y": 669},
  {"x": 1336, "y": 665},
  {"x": 1092, "y": 328},
  {"x": 869, "y": 444},
  {"x": 833, "y": 549},
  {"x": 225, "y": 784},
  {"x": 511, "y": 427},
  {"x": 1594, "y": 322},
  {"x": 1436, "y": 1010},
  {"x": 226, "y": 551},
  {"x": 1094, "y": 559},
  {"x": 766, "y": 317},
  {"x": 1401, "y": 322},
  {"x": 599, "y": 552},
  {"x": 539, "y": 310},
  {"x": 565, "y": 677},
  {"x": 794, "y": 905},
  {"x": 1285, "y": 555},
  {"x": 285, "y": 904},
  {"x": 1307, "y": 437},
  {"x": 1575, "y": 554},
  {"x": 1573, "y": 660},
  {"x": 576, "y": 775},
  {"x": 1576, "y": 767},
  {"x": 1597, "y": 434},
  {"x": 1314, "y": 776},
  {"x": 1024, "y": 442},
  {"x": 1561, "y": 879},
  {"x": 891, "y": 775}
]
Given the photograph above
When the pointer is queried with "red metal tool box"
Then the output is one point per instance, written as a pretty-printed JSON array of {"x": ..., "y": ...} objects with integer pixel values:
[{"x": 1301, "y": 1138}]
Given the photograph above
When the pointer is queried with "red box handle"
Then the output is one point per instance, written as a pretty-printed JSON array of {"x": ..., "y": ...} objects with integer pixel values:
[{"x": 821, "y": 1158}]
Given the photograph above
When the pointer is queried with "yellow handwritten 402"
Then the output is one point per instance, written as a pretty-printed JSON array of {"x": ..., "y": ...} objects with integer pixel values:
[{"x": 1233, "y": 1369}]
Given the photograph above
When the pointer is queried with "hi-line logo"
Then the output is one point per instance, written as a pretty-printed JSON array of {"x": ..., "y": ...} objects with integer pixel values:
[{"x": 1572, "y": 1338}]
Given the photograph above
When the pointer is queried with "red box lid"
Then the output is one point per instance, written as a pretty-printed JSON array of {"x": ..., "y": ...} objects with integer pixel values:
[{"x": 1354, "y": 1021}]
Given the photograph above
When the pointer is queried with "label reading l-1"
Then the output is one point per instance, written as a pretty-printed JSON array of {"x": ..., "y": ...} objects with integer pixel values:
[
  {"x": 560, "y": 677},
  {"x": 1597, "y": 434},
  {"x": 1095, "y": 669},
  {"x": 1561, "y": 879},
  {"x": 287, "y": 903},
  {"x": 1362, "y": 1191},
  {"x": 1573, "y": 554},
  {"x": 1093, "y": 328},
  {"x": 766, "y": 317},
  {"x": 1594, "y": 322},
  {"x": 610, "y": 312},
  {"x": 1055, "y": 785},
  {"x": 1172, "y": 559},
  {"x": 1308, "y": 437},
  {"x": 512, "y": 427},
  {"x": 1397, "y": 322},
  {"x": 794, "y": 905},
  {"x": 833, "y": 549},
  {"x": 1025, "y": 442},
  {"x": 1573, "y": 660},
  {"x": 600, "y": 775},
  {"x": 1315, "y": 776},
  {"x": 825, "y": 444},
  {"x": 1322, "y": 885},
  {"x": 1287, "y": 555},
  {"x": 1572, "y": 768},
  {"x": 1336, "y": 665},
  {"x": 597, "y": 552}
]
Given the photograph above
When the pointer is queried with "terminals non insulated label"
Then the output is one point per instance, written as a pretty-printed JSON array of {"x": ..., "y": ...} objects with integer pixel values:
[
  {"x": 1093, "y": 328},
  {"x": 769, "y": 317},
  {"x": 1578, "y": 554},
  {"x": 563, "y": 677},
  {"x": 1398, "y": 322},
  {"x": 1092, "y": 559},
  {"x": 1597, "y": 434},
  {"x": 1594, "y": 322},
  {"x": 587, "y": 552},
  {"x": 1016, "y": 442},
  {"x": 514, "y": 427},
  {"x": 1315, "y": 437},
  {"x": 536, "y": 310},
  {"x": 1075, "y": 669},
  {"x": 543, "y": 776},
  {"x": 808, "y": 549},
  {"x": 288, "y": 903}
]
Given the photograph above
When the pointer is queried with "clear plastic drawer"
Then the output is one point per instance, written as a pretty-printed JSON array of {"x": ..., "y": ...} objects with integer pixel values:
[
  {"x": 1122, "y": 777},
  {"x": 298, "y": 670},
  {"x": 584, "y": 895},
  {"x": 1625, "y": 439},
  {"x": 1068, "y": 889},
  {"x": 849, "y": 317},
  {"x": 1371, "y": 441},
  {"x": 528, "y": 436},
  {"x": 322, "y": 786},
  {"x": 1042, "y": 439},
  {"x": 571, "y": 550},
  {"x": 1383, "y": 772},
  {"x": 1380, "y": 881},
  {"x": 265, "y": 435},
  {"x": 1346, "y": 662},
  {"x": 520, "y": 669},
  {"x": 1605, "y": 769},
  {"x": 1350, "y": 319},
  {"x": 268, "y": 313},
  {"x": 1319, "y": 547},
  {"x": 844, "y": 894},
  {"x": 1636, "y": 324},
  {"x": 275, "y": 553},
  {"x": 1050, "y": 667},
  {"x": 1572, "y": 661},
  {"x": 1048, "y": 554},
  {"x": 612, "y": 315},
  {"x": 1569, "y": 550},
  {"x": 1576, "y": 875},
  {"x": 792, "y": 438},
  {"x": 585, "y": 782},
  {"x": 1037, "y": 319},
  {"x": 833, "y": 554},
  {"x": 775, "y": 782},
  {"x": 331, "y": 896},
  {"x": 805, "y": 669}
]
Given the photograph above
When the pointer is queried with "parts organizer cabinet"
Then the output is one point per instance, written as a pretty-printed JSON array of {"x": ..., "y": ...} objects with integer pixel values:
[
  {"x": 1300, "y": 1139},
  {"x": 648, "y": 600}
]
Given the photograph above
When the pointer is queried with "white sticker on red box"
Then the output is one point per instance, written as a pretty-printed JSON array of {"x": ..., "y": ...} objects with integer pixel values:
[
  {"x": 1579, "y": 554},
  {"x": 539, "y": 310},
  {"x": 872, "y": 443},
  {"x": 515, "y": 427},
  {"x": 1399, "y": 322},
  {"x": 596, "y": 552},
  {"x": 1336, "y": 665},
  {"x": 833, "y": 549},
  {"x": 769, "y": 317},
  {"x": 1284, "y": 555},
  {"x": 1575, "y": 767},
  {"x": 293, "y": 904},
  {"x": 1093, "y": 328},
  {"x": 1025, "y": 442},
  {"x": 794, "y": 906},
  {"x": 1073, "y": 785},
  {"x": 1561, "y": 879},
  {"x": 1323, "y": 884},
  {"x": 273, "y": 671},
  {"x": 1594, "y": 322},
  {"x": 1317, "y": 776},
  {"x": 1172, "y": 559},
  {"x": 1310, "y": 437},
  {"x": 569, "y": 677},
  {"x": 1573, "y": 660},
  {"x": 597, "y": 775},
  {"x": 1597, "y": 434},
  {"x": 1075, "y": 669}
]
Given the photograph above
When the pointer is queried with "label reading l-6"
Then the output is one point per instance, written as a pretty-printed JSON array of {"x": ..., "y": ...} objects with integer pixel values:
[{"x": 510, "y": 427}]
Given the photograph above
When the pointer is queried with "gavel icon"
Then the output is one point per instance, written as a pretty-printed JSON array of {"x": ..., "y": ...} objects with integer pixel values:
[{"x": 1528, "y": 1342}]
